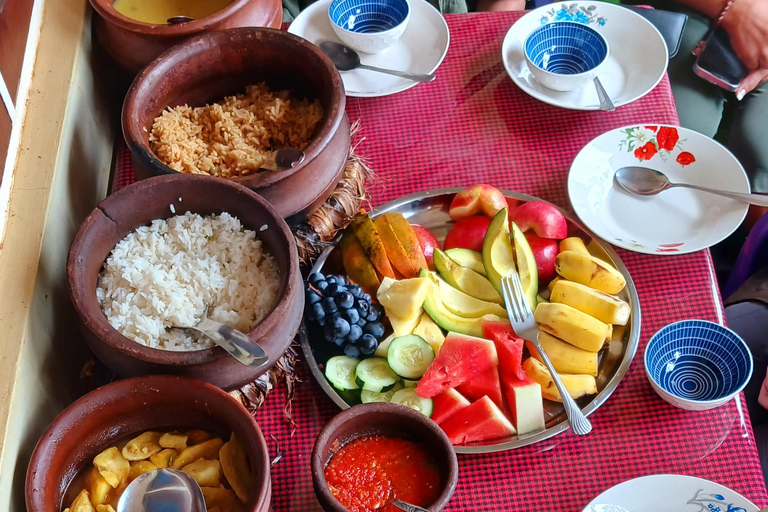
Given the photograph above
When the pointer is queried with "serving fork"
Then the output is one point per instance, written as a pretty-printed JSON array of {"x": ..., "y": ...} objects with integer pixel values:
[{"x": 521, "y": 318}]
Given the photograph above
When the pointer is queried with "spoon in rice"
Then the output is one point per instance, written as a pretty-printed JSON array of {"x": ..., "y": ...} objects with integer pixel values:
[{"x": 236, "y": 343}]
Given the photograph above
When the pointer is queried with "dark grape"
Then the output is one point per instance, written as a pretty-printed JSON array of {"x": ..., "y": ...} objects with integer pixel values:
[
  {"x": 362, "y": 321},
  {"x": 366, "y": 297},
  {"x": 339, "y": 280},
  {"x": 345, "y": 300},
  {"x": 375, "y": 329},
  {"x": 321, "y": 285},
  {"x": 352, "y": 315},
  {"x": 314, "y": 277},
  {"x": 363, "y": 307},
  {"x": 333, "y": 289},
  {"x": 340, "y": 326},
  {"x": 321, "y": 321},
  {"x": 329, "y": 305},
  {"x": 355, "y": 331},
  {"x": 372, "y": 316},
  {"x": 312, "y": 297},
  {"x": 317, "y": 312},
  {"x": 339, "y": 341},
  {"x": 355, "y": 290},
  {"x": 367, "y": 344},
  {"x": 351, "y": 351}
]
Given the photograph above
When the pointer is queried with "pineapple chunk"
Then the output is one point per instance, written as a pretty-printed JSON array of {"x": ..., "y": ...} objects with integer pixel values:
[
  {"x": 205, "y": 450},
  {"x": 175, "y": 441},
  {"x": 234, "y": 464},
  {"x": 197, "y": 436},
  {"x": 164, "y": 458},
  {"x": 220, "y": 497},
  {"x": 205, "y": 472},
  {"x": 112, "y": 466},
  {"x": 142, "y": 447},
  {"x": 99, "y": 488},
  {"x": 107, "y": 508},
  {"x": 140, "y": 467},
  {"x": 82, "y": 503}
]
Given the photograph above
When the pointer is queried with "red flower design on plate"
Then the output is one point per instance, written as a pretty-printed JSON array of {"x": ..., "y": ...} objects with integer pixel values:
[
  {"x": 646, "y": 151},
  {"x": 685, "y": 158},
  {"x": 667, "y": 138},
  {"x": 652, "y": 128}
]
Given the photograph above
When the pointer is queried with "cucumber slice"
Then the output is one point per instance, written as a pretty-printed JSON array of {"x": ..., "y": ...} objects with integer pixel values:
[
  {"x": 374, "y": 374},
  {"x": 369, "y": 396},
  {"x": 409, "y": 356},
  {"x": 409, "y": 398},
  {"x": 410, "y": 383},
  {"x": 340, "y": 372}
]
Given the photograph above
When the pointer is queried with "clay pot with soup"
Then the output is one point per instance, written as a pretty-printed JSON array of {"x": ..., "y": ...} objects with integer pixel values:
[{"x": 134, "y": 32}]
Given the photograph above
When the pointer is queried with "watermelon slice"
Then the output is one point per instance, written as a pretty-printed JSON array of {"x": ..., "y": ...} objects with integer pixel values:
[
  {"x": 525, "y": 403},
  {"x": 486, "y": 383},
  {"x": 460, "y": 358},
  {"x": 481, "y": 421},
  {"x": 446, "y": 404},
  {"x": 509, "y": 347}
]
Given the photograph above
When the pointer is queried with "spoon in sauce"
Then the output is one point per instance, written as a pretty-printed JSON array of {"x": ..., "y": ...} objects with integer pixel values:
[
  {"x": 179, "y": 19},
  {"x": 161, "y": 490},
  {"x": 408, "y": 507}
]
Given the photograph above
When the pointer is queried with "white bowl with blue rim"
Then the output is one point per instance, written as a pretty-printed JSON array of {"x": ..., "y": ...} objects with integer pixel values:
[
  {"x": 564, "y": 55},
  {"x": 697, "y": 365},
  {"x": 369, "y": 26}
]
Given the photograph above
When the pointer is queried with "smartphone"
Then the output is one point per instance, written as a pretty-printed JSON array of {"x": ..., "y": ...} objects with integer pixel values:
[{"x": 718, "y": 63}]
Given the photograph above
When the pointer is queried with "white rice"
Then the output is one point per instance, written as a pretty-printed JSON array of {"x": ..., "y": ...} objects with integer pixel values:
[{"x": 165, "y": 274}]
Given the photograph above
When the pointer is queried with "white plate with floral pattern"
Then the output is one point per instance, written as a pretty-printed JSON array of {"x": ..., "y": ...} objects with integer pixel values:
[
  {"x": 670, "y": 493},
  {"x": 636, "y": 62},
  {"x": 676, "y": 221}
]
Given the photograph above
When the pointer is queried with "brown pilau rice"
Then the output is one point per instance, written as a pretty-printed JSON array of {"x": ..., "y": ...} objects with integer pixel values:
[{"x": 233, "y": 137}]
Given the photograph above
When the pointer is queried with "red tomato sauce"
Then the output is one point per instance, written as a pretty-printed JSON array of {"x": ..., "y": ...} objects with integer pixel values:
[{"x": 369, "y": 473}]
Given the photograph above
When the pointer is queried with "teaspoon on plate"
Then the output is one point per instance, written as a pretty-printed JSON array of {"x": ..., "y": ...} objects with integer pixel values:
[{"x": 347, "y": 59}]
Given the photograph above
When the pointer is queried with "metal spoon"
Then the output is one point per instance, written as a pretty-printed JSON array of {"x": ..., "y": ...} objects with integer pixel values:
[
  {"x": 346, "y": 59},
  {"x": 161, "y": 490},
  {"x": 647, "y": 182},
  {"x": 238, "y": 344},
  {"x": 605, "y": 100},
  {"x": 408, "y": 507},
  {"x": 283, "y": 159},
  {"x": 178, "y": 19}
]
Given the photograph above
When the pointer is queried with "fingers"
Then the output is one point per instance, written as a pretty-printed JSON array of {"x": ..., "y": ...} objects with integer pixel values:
[
  {"x": 699, "y": 48},
  {"x": 752, "y": 80}
]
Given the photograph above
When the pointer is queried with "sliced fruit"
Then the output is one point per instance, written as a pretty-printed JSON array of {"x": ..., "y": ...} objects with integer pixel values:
[
  {"x": 367, "y": 397},
  {"x": 573, "y": 243},
  {"x": 374, "y": 374},
  {"x": 545, "y": 251},
  {"x": 525, "y": 403},
  {"x": 484, "y": 384},
  {"x": 409, "y": 398},
  {"x": 403, "y": 298},
  {"x": 407, "y": 238},
  {"x": 509, "y": 347},
  {"x": 571, "y": 325},
  {"x": 480, "y": 421},
  {"x": 467, "y": 233},
  {"x": 466, "y": 280},
  {"x": 430, "y": 331},
  {"x": 498, "y": 254},
  {"x": 369, "y": 238},
  {"x": 589, "y": 271},
  {"x": 395, "y": 251},
  {"x": 472, "y": 260},
  {"x": 461, "y": 358},
  {"x": 553, "y": 282},
  {"x": 428, "y": 243},
  {"x": 446, "y": 404},
  {"x": 577, "y": 385},
  {"x": 409, "y": 356},
  {"x": 477, "y": 199},
  {"x": 543, "y": 218},
  {"x": 606, "y": 308},
  {"x": 565, "y": 357},
  {"x": 447, "y": 319},
  {"x": 526, "y": 266},
  {"x": 465, "y": 305},
  {"x": 340, "y": 372},
  {"x": 357, "y": 265}
]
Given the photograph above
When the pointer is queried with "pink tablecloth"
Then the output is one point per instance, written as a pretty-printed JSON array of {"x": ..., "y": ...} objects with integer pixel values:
[{"x": 474, "y": 125}]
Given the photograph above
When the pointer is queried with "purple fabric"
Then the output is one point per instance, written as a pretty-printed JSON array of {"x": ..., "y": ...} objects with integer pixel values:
[{"x": 753, "y": 257}]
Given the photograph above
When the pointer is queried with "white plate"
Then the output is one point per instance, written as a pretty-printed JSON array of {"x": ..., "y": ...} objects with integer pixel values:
[
  {"x": 421, "y": 49},
  {"x": 637, "y": 61},
  {"x": 670, "y": 493},
  {"x": 676, "y": 221}
]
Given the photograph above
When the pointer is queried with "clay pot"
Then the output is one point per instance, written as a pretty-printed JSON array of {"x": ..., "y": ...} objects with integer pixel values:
[
  {"x": 389, "y": 420},
  {"x": 133, "y": 44},
  {"x": 128, "y": 407},
  {"x": 138, "y": 205},
  {"x": 207, "y": 68}
]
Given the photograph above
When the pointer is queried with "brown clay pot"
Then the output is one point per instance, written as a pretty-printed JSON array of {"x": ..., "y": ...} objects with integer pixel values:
[
  {"x": 382, "y": 419},
  {"x": 128, "y": 407},
  {"x": 138, "y": 205},
  {"x": 213, "y": 65},
  {"x": 133, "y": 44}
]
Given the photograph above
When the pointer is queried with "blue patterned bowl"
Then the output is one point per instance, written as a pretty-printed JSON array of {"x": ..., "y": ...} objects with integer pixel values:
[
  {"x": 369, "y": 26},
  {"x": 563, "y": 55},
  {"x": 697, "y": 365}
]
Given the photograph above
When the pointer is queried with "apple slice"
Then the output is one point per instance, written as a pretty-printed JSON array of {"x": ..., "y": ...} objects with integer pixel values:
[
  {"x": 475, "y": 199},
  {"x": 545, "y": 219},
  {"x": 371, "y": 241},
  {"x": 468, "y": 233},
  {"x": 545, "y": 251},
  {"x": 428, "y": 243}
]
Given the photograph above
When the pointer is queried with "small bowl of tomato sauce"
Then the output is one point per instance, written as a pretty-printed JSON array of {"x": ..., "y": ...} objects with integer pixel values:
[{"x": 373, "y": 454}]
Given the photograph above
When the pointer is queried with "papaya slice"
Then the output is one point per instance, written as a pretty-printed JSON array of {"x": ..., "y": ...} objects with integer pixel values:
[
  {"x": 369, "y": 238},
  {"x": 357, "y": 265},
  {"x": 408, "y": 240},
  {"x": 400, "y": 260}
]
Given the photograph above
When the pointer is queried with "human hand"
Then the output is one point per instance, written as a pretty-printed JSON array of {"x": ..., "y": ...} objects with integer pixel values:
[
  {"x": 747, "y": 25},
  {"x": 500, "y": 5}
]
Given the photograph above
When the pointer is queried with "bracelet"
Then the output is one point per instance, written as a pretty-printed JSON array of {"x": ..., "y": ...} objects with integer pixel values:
[{"x": 727, "y": 6}]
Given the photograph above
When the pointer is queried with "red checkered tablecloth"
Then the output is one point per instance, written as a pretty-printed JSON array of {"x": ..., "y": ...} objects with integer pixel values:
[{"x": 474, "y": 125}]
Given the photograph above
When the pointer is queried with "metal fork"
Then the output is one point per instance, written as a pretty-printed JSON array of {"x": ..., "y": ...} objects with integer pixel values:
[
  {"x": 521, "y": 318},
  {"x": 605, "y": 100}
]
